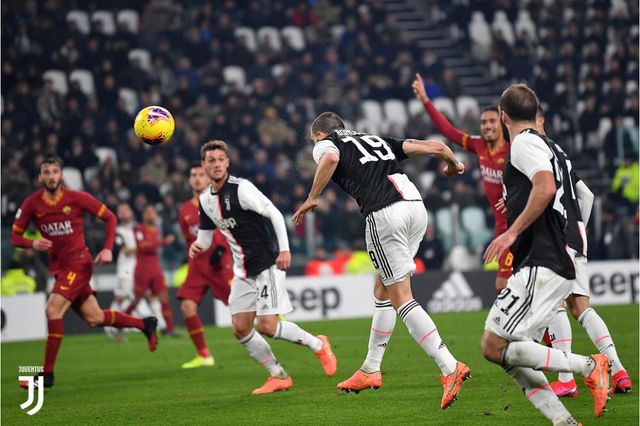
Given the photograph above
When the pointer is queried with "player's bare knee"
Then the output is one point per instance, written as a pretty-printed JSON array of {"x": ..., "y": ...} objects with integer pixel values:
[
  {"x": 93, "y": 319},
  {"x": 380, "y": 293},
  {"x": 53, "y": 312},
  {"x": 188, "y": 308},
  {"x": 267, "y": 326},
  {"x": 492, "y": 347},
  {"x": 577, "y": 305},
  {"x": 241, "y": 329}
]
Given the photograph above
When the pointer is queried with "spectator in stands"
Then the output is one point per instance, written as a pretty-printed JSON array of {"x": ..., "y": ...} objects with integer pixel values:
[
  {"x": 320, "y": 264},
  {"x": 626, "y": 182},
  {"x": 620, "y": 142},
  {"x": 614, "y": 242},
  {"x": 431, "y": 250}
]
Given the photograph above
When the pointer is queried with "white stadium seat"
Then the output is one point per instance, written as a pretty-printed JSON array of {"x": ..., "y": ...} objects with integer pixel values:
[
  {"x": 501, "y": 24},
  {"x": 143, "y": 56},
  {"x": 295, "y": 37},
  {"x": 604, "y": 127},
  {"x": 72, "y": 178},
  {"x": 444, "y": 225},
  {"x": 426, "y": 180},
  {"x": 445, "y": 106},
  {"x": 104, "y": 153},
  {"x": 129, "y": 18},
  {"x": 59, "y": 80},
  {"x": 270, "y": 35},
  {"x": 106, "y": 17},
  {"x": 130, "y": 98},
  {"x": 480, "y": 35},
  {"x": 368, "y": 126},
  {"x": 372, "y": 110},
  {"x": 81, "y": 19},
  {"x": 85, "y": 79},
  {"x": 234, "y": 75},
  {"x": 524, "y": 24},
  {"x": 395, "y": 112},
  {"x": 249, "y": 35},
  {"x": 474, "y": 223},
  {"x": 415, "y": 107},
  {"x": 466, "y": 103}
]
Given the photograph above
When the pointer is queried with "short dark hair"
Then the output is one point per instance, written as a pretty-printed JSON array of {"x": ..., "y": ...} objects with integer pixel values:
[
  {"x": 491, "y": 108},
  {"x": 212, "y": 146},
  {"x": 519, "y": 102},
  {"x": 327, "y": 122},
  {"x": 52, "y": 159},
  {"x": 540, "y": 110},
  {"x": 195, "y": 166}
]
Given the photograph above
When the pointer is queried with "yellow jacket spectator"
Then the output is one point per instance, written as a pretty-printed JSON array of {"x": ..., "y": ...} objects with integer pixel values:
[
  {"x": 626, "y": 181},
  {"x": 16, "y": 281}
]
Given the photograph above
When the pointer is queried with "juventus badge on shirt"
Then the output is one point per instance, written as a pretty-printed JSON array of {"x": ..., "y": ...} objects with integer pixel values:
[{"x": 227, "y": 202}]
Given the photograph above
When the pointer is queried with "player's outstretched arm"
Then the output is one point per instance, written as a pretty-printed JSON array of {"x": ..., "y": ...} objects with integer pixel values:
[
  {"x": 440, "y": 121},
  {"x": 326, "y": 167},
  {"x": 543, "y": 190},
  {"x": 415, "y": 147}
]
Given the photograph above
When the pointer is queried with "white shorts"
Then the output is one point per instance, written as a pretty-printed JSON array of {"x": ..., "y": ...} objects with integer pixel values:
[
  {"x": 393, "y": 235},
  {"x": 523, "y": 309},
  {"x": 124, "y": 287},
  {"x": 581, "y": 283},
  {"x": 264, "y": 294}
]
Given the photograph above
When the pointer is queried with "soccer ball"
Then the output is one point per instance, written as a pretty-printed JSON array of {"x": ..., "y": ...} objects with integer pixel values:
[{"x": 154, "y": 125}]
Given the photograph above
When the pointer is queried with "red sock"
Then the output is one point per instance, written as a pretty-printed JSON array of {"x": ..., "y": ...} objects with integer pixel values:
[
  {"x": 131, "y": 307},
  {"x": 54, "y": 339},
  {"x": 119, "y": 320},
  {"x": 168, "y": 316},
  {"x": 196, "y": 332}
]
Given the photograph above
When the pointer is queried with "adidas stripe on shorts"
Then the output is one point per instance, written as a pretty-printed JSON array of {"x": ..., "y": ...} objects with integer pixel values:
[
  {"x": 523, "y": 309},
  {"x": 393, "y": 235},
  {"x": 263, "y": 294}
]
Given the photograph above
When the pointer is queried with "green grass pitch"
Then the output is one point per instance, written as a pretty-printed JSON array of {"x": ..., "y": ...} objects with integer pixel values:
[{"x": 102, "y": 382}]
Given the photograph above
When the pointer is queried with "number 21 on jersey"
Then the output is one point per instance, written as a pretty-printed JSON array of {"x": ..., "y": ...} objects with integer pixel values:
[{"x": 374, "y": 143}]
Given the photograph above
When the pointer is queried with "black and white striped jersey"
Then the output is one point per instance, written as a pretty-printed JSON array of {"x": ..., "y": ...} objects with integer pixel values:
[
  {"x": 369, "y": 168},
  {"x": 236, "y": 211},
  {"x": 544, "y": 242}
]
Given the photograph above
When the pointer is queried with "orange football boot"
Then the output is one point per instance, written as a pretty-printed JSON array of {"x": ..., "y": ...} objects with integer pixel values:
[
  {"x": 598, "y": 383},
  {"x": 327, "y": 358},
  {"x": 274, "y": 384},
  {"x": 361, "y": 381},
  {"x": 452, "y": 384}
]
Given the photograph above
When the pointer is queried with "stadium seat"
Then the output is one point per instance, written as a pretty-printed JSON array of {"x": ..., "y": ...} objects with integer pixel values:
[
  {"x": 444, "y": 224},
  {"x": 395, "y": 111},
  {"x": 104, "y": 153},
  {"x": 336, "y": 32},
  {"x": 365, "y": 125},
  {"x": 295, "y": 37},
  {"x": 143, "y": 56},
  {"x": 347, "y": 124},
  {"x": 446, "y": 107},
  {"x": 425, "y": 180},
  {"x": 524, "y": 24},
  {"x": 604, "y": 127},
  {"x": 501, "y": 24},
  {"x": 415, "y": 107},
  {"x": 81, "y": 19},
  {"x": 372, "y": 110},
  {"x": 59, "y": 80},
  {"x": 90, "y": 173},
  {"x": 480, "y": 35},
  {"x": 269, "y": 35},
  {"x": 72, "y": 178},
  {"x": 106, "y": 17},
  {"x": 630, "y": 87},
  {"x": 474, "y": 223},
  {"x": 234, "y": 75},
  {"x": 629, "y": 122},
  {"x": 85, "y": 79},
  {"x": 129, "y": 18},
  {"x": 466, "y": 103},
  {"x": 130, "y": 98},
  {"x": 249, "y": 35}
]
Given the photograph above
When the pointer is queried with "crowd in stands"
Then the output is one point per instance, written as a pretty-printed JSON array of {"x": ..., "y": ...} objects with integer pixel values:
[{"x": 254, "y": 72}]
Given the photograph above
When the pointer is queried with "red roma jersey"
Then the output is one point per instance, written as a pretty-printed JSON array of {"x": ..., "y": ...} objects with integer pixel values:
[
  {"x": 492, "y": 162},
  {"x": 189, "y": 224},
  {"x": 61, "y": 221}
]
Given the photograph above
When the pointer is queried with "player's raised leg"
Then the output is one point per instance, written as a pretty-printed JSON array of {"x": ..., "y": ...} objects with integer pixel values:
[
  {"x": 260, "y": 350},
  {"x": 382, "y": 326},
  {"x": 95, "y": 317}
]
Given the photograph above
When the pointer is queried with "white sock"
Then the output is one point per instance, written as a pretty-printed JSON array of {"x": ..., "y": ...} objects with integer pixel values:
[
  {"x": 424, "y": 332},
  {"x": 537, "y": 390},
  {"x": 382, "y": 325},
  {"x": 600, "y": 336},
  {"x": 539, "y": 357},
  {"x": 291, "y": 332},
  {"x": 560, "y": 334},
  {"x": 260, "y": 350}
]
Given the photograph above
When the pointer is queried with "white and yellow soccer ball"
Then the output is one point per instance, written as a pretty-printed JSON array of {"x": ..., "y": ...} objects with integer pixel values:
[{"x": 154, "y": 125}]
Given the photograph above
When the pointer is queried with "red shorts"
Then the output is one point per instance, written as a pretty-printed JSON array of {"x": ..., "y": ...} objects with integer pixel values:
[
  {"x": 505, "y": 262},
  {"x": 201, "y": 277},
  {"x": 152, "y": 281},
  {"x": 72, "y": 283}
]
